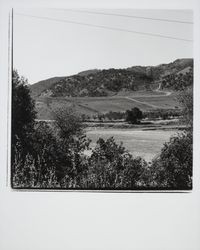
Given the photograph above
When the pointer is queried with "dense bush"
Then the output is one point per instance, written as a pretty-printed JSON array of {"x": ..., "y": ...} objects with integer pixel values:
[
  {"x": 112, "y": 167},
  {"x": 23, "y": 118},
  {"x": 72, "y": 143},
  {"x": 134, "y": 115},
  {"x": 55, "y": 164},
  {"x": 173, "y": 168},
  {"x": 38, "y": 169}
]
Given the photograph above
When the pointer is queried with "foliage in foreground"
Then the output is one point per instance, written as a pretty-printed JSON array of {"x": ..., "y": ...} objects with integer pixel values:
[
  {"x": 110, "y": 166},
  {"x": 173, "y": 168}
]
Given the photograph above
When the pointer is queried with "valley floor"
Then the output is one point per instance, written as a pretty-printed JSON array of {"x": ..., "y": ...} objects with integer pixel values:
[
  {"x": 144, "y": 100},
  {"x": 144, "y": 143},
  {"x": 145, "y": 139}
]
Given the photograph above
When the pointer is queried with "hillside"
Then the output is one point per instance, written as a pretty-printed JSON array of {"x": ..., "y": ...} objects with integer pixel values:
[
  {"x": 41, "y": 86},
  {"x": 97, "y": 83},
  {"x": 157, "y": 72},
  {"x": 102, "y": 83},
  {"x": 178, "y": 81}
]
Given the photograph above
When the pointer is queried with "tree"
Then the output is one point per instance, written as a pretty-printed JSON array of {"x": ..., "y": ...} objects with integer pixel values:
[
  {"x": 23, "y": 116},
  {"x": 173, "y": 168},
  {"x": 134, "y": 115},
  {"x": 112, "y": 167},
  {"x": 68, "y": 123},
  {"x": 45, "y": 154},
  {"x": 71, "y": 144}
]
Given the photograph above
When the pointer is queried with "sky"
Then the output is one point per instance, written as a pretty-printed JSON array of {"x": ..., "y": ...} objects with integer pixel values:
[{"x": 44, "y": 48}]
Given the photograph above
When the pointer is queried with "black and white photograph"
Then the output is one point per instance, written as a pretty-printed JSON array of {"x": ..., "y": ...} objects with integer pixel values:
[
  {"x": 99, "y": 125},
  {"x": 101, "y": 99}
]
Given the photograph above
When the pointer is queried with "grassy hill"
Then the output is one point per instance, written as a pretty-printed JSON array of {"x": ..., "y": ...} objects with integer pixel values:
[
  {"x": 94, "y": 83},
  {"x": 102, "y": 83},
  {"x": 95, "y": 91},
  {"x": 41, "y": 86},
  {"x": 91, "y": 106}
]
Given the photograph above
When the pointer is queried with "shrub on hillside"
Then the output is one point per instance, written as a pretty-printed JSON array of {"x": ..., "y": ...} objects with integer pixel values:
[{"x": 178, "y": 82}]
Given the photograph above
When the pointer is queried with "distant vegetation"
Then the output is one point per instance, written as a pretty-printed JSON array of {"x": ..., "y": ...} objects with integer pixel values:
[
  {"x": 134, "y": 115},
  {"x": 96, "y": 83},
  {"x": 112, "y": 116},
  {"x": 52, "y": 155},
  {"x": 178, "y": 81},
  {"x": 101, "y": 83},
  {"x": 163, "y": 114},
  {"x": 154, "y": 114}
]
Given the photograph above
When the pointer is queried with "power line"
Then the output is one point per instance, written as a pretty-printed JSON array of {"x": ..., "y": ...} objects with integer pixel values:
[
  {"x": 105, "y": 27},
  {"x": 130, "y": 16}
]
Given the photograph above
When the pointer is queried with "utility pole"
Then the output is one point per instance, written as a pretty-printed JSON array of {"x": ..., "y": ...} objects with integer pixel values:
[
  {"x": 9, "y": 169},
  {"x": 11, "y": 42}
]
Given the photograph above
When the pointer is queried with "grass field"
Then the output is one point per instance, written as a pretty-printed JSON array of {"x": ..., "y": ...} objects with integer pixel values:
[
  {"x": 146, "y": 144},
  {"x": 160, "y": 101},
  {"x": 94, "y": 105}
]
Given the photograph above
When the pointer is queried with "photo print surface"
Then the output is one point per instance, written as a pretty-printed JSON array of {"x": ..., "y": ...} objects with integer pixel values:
[{"x": 102, "y": 99}]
